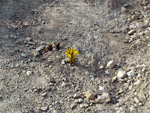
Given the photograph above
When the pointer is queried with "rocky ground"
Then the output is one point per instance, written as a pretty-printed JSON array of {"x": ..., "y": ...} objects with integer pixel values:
[{"x": 111, "y": 72}]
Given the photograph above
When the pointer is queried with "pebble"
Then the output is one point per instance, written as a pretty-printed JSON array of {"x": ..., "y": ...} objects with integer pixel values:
[
  {"x": 89, "y": 96},
  {"x": 80, "y": 100},
  {"x": 101, "y": 88},
  {"x": 44, "y": 108},
  {"x": 36, "y": 53},
  {"x": 28, "y": 39},
  {"x": 137, "y": 82},
  {"x": 76, "y": 96},
  {"x": 84, "y": 105},
  {"x": 131, "y": 108},
  {"x": 107, "y": 72},
  {"x": 101, "y": 66},
  {"x": 104, "y": 98},
  {"x": 136, "y": 100},
  {"x": 114, "y": 79},
  {"x": 63, "y": 62},
  {"x": 29, "y": 73},
  {"x": 44, "y": 94},
  {"x": 110, "y": 64},
  {"x": 130, "y": 73},
  {"x": 131, "y": 32},
  {"x": 121, "y": 74},
  {"x": 73, "y": 106},
  {"x": 40, "y": 48},
  {"x": 24, "y": 55}
]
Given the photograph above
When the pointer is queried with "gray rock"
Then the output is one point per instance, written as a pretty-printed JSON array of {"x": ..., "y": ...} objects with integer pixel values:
[
  {"x": 36, "y": 53},
  {"x": 73, "y": 106},
  {"x": 44, "y": 108},
  {"x": 131, "y": 73},
  {"x": 24, "y": 55},
  {"x": 80, "y": 100},
  {"x": 121, "y": 74},
  {"x": 104, "y": 98},
  {"x": 40, "y": 48}
]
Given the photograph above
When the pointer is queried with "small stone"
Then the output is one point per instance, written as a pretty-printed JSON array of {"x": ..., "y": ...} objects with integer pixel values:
[
  {"x": 110, "y": 64},
  {"x": 136, "y": 100},
  {"x": 131, "y": 108},
  {"x": 28, "y": 39},
  {"x": 29, "y": 73},
  {"x": 36, "y": 53},
  {"x": 107, "y": 72},
  {"x": 40, "y": 48},
  {"x": 101, "y": 66},
  {"x": 44, "y": 108},
  {"x": 73, "y": 106},
  {"x": 121, "y": 74},
  {"x": 80, "y": 100},
  {"x": 137, "y": 82},
  {"x": 104, "y": 98},
  {"x": 44, "y": 94},
  {"x": 76, "y": 96},
  {"x": 120, "y": 91},
  {"x": 101, "y": 88},
  {"x": 93, "y": 69},
  {"x": 84, "y": 105},
  {"x": 123, "y": 9},
  {"x": 131, "y": 32},
  {"x": 114, "y": 79},
  {"x": 24, "y": 55},
  {"x": 89, "y": 96},
  {"x": 130, "y": 73},
  {"x": 63, "y": 62}
]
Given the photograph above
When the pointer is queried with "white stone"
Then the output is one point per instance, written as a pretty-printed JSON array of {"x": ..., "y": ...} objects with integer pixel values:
[
  {"x": 101, "y": 88},
  {"x": 40, "y": 48},
  {"x": 121, "y": 74},
  {"x": 131, "y": 73},
  {"x": 24, "y": 55},
  {"x": 131, "y": 32},
  {"x": 136, "y": 100},
  {"x": 44, "y": 108},
  {"x": 137, "y": 82},
  {"x": 29, "y": 73},
  {"x": 131, "y": 108},
  {"x": 110, "y": 64},
  {"x": 105, "y": 97}
]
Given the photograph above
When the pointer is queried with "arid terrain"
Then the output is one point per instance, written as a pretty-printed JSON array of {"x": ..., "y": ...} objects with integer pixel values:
[{"x": 110, "y": 75}]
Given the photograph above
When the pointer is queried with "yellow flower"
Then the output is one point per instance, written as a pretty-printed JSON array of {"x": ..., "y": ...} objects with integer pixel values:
[
  {"x": 72, "y": 55},
  {"x": 49, "y": 48}
]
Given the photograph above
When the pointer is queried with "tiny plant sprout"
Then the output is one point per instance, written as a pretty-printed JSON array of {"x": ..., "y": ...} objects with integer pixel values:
[
  {"x": 49, "y": 48},
  {"x": 57, "y": 45},
  {"x": 71, "y": 52}
]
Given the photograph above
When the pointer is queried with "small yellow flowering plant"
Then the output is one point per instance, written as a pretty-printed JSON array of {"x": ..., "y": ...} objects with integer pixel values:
[{"x": 71, "y": 52}]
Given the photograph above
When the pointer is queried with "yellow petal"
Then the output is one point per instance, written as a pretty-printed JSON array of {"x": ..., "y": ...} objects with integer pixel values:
[
  {"x": 75, "y": 53},
  {"x": 69, "y": 55}
]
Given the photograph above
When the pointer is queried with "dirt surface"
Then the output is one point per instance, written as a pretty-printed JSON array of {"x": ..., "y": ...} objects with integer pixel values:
[{"x": 111, "y": 72}]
